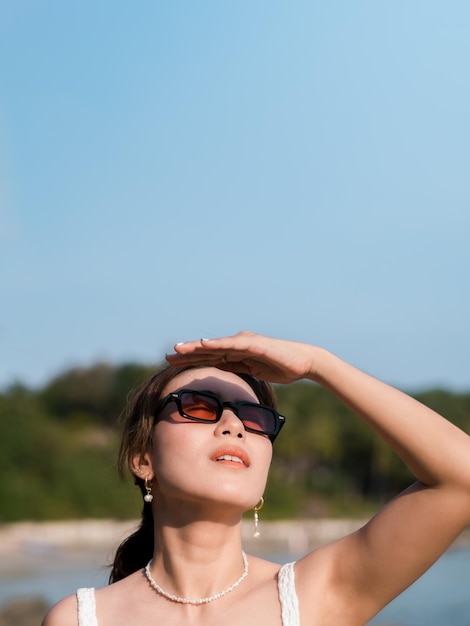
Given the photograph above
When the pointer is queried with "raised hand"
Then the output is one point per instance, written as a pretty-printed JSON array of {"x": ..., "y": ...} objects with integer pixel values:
[{"x": 268, "y": 359}]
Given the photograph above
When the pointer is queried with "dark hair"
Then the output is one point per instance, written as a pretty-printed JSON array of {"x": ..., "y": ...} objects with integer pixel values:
[{"x": 139, "y": 419}]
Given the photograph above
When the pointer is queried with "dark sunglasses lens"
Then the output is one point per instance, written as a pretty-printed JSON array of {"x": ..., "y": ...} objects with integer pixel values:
[
  {"x": 199, "y": 406},
  {"x": 259, "y": 418}
]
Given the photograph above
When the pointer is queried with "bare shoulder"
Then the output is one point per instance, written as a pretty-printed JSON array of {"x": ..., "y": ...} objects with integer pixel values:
[
  {"x": 64, "y": 613},
  {"x": 263, "y": 568}
]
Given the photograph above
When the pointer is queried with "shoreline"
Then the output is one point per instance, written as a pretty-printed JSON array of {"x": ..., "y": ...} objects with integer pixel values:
[
  {"x": 32, "y": 543},
  {"x": 28, "y": 546}
]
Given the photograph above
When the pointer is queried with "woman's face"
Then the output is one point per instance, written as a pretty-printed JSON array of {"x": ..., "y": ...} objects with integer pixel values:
[{"x": 187, "y": 457}]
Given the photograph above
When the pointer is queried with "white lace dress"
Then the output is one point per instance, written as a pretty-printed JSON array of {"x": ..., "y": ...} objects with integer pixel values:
[
  {"x": 288, "y": 595},
  {"x": 287, "y": 598},
  {"x": 86, "y": 607}
]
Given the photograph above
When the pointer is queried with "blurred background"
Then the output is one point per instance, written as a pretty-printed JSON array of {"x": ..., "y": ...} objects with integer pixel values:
[{"x": 170, "y": 171}]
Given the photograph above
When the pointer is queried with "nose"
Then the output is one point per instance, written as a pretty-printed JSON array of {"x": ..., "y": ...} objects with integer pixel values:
[{"x": 230, "y": 424}]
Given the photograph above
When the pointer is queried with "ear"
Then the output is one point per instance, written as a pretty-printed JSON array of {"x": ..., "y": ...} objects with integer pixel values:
[{"x": 142, "y": 467}]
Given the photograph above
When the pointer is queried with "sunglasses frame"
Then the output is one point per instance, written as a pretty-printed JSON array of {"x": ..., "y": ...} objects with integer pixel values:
[{"x": 235, "y": 406}]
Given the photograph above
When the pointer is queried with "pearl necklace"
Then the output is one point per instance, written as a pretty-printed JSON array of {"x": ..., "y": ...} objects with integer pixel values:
[{"x": 198, "y": 601}]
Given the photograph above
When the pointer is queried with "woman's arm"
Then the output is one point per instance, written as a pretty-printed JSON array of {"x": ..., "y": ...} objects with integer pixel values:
[
  {"x": 372, "y": 566},
  {"x": 413, "y": 530}
]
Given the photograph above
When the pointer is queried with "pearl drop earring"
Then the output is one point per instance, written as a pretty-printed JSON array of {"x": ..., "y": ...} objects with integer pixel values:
[
  {"x": 148, "y": 487},
  {"x": 257, "y": 508}
]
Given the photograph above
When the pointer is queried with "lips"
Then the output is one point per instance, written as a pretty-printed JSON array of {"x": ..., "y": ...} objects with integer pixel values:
[{"x": 232, "y": 454}]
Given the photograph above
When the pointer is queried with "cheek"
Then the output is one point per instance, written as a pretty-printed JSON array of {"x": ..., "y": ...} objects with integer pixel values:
[
  {"x": 267, "y": 453},
  {"x": 269, "y": 458},
  {"x": 262, "y": 453},
  {"x": 175, "y": 448}
]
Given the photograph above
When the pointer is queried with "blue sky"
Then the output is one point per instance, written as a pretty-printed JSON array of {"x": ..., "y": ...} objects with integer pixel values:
[{"x": 175, "y": 170}]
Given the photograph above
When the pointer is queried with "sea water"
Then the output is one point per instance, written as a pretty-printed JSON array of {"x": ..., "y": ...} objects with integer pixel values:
[{"x": 439, "y": 598}]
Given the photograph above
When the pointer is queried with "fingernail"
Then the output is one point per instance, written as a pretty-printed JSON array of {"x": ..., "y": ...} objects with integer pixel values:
[
  {"x": 204, "y": 339},
  {"x": 180, "y": 343}
]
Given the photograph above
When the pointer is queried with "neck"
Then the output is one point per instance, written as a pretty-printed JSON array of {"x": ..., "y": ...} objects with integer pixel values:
[
  {"x": 196, "y": 559},
  {"x": 197, "y": 601}
]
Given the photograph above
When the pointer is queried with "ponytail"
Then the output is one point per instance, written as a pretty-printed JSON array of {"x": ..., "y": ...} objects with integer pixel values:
[{"x": 136, "y": 550}]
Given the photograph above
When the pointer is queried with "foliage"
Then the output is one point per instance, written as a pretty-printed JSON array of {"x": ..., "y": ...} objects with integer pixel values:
[
  {"x": 58, "y": 449},
  {"x": 99, "y": 392}
]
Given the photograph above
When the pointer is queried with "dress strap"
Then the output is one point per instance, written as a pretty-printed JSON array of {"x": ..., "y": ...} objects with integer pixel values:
[
  {"x": 288, "y": 596},
  {"x": 86, "y": 607}
]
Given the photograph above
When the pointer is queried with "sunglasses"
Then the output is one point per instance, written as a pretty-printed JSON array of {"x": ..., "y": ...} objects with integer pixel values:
[{"x": 202, "y": 406}]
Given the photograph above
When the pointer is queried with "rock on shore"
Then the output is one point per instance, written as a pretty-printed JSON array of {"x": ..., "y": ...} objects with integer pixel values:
[{"x": 24, "y": 612}]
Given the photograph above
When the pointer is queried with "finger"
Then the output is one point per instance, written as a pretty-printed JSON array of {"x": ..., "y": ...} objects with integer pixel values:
[
  {"x": 201, "y": 353},
  {"x": 238, "y": 344},
  {"x": 241, "y": 341},
  {"x": 219, "y": 363},
  {"x": 237, "y": 368},
  {"x": 187, "y": 346},
  {"x": 201, "y": 346},
  {"x": 192, "y": 358}
]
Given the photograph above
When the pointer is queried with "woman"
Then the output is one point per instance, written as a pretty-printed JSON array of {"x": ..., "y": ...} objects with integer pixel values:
[{"x": 199, "y": 477}]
